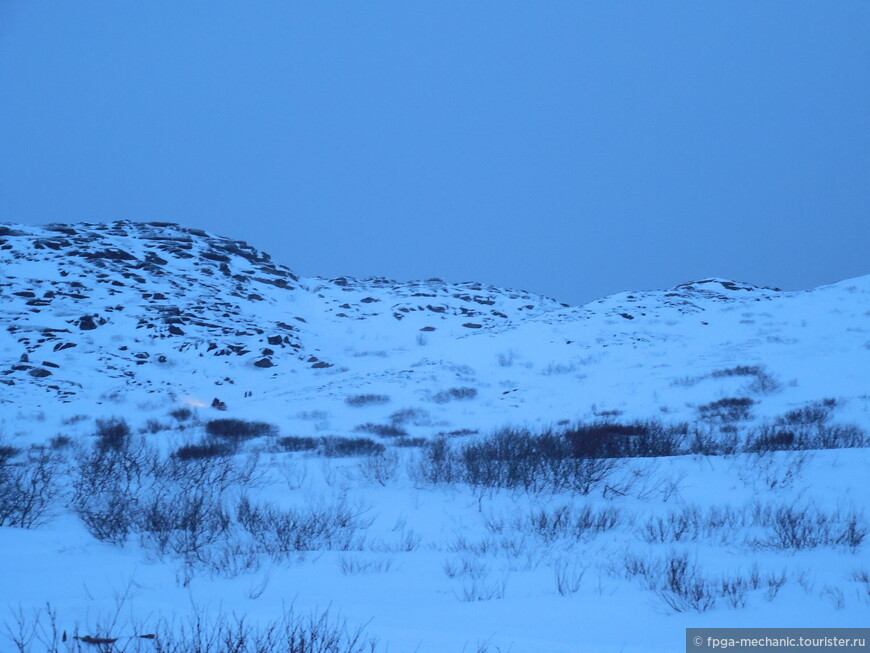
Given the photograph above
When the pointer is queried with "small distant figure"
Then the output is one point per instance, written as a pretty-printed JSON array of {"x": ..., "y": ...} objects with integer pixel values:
[
  {"x": 217, "y": 403},
  {"x": 248, "y": 393}
]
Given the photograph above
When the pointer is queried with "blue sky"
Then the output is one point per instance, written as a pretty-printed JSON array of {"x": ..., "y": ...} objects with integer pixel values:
[{"x": 573, "y": 149}]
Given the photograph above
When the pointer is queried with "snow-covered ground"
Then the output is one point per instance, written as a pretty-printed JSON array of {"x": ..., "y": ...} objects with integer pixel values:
[{"x": 141, "y": 326}]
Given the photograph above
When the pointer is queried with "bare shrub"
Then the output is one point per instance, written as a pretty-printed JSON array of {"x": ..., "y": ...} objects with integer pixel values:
[
  {"x": 154, "y": 426},
  {"x": 60, "y": 442},
  {"x": 112, "y": 433},
  {"x": 415, "y": 416},
  {"x": 817, "y": 434},
  {"x": 296, "y": 443},
  {"x": 410, "y": 442},
  {"x": 569, "y": 522},
  {"x": 837, "y": 436},
  {"x": 437, "y": 464},
  {"x": 383, "y": 430},
  {"x": 862, "y": 578},
  {"x": 7, "y": 453},
  {"x": 176, "y": 503},
  {"x": 729, "y": 409},
  {"x": 354, "y": 565},
  {"x": 182, "y": 414},
  {"x": 380, "y": 468},
  {"x": 770, "y": 438},
  {"x": 28, "y": 487},
  {"x": 218, "y": 473},
  {"x": 793, "y": 527},
  {"x": 569, "y": 576},
  {"x": 292, "y": 632},
  {"x": 681, "y": 587},
  {"x": 452, "y": 394},
  {"x": 183, "y": 522},
  {"x": 717, "y": 523},
  {"x": 280, "y": 532},
  {"x": 358, "y": 401},
  {"x": 335, "y": 447},
  {"x": 204, "y": 450},
  {"x": 739, "y": 370},
  {"x": 106, "y": 485},
  {"x": 764, "y": 384},
  {"x": 817, "y": 412},
  {"x": 632, "y": 440},
  {"x": 239, "y": 429},
  {"x": 483, "y": 589},
  {"x": 513, "y": 459}
]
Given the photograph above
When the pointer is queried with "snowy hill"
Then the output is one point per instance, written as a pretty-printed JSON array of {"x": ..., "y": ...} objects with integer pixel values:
[
  {"x": 95, "y": 314},
  {"x": 449, "y": 466}
]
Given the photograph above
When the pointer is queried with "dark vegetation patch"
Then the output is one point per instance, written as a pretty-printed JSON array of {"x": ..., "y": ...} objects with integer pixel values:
[
  {"x": 332, "y": 446},
  {"x": 181, "y": 414},
  {"x": 112, "y": 433},
  {"x": 346, "y": 447},
  {"x": 366, "y": 400},
  {"x": 415, "y": 416},
  {"x": 582, "y": 456},
  {"x": 740, "y": 370},
  {"x": 203, "y": 450},
  {"x": 239, "y": 429},
  {"x": 728, "y": 409},
  {"x": 453, "y": 394},
  {"x": 410, "y": 442},
  {"x": 455, "y": 433},
  {"x": 29, "y": 485},
  {"x": 296, "y": 443},
  {"x": 818, "y": 412},
  {"x": 382, "y": 430},
  {"x": 630, "y": 440}
]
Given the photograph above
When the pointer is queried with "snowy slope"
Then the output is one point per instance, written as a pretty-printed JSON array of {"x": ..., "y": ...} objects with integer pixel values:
[
  {"x": 137, "y": 321},
  {"x": 101, "y": 313}
]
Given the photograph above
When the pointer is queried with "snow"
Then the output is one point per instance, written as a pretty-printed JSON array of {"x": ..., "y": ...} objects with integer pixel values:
[{"x": 533, "y": 362}]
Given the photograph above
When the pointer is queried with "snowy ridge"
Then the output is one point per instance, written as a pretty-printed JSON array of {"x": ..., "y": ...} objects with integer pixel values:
[
  {"x": 144, "y": 308},
  {"x": 133, "y": 512}
]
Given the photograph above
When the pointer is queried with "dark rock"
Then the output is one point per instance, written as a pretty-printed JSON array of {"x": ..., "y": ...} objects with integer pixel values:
[
  {"x": 264, "y": 362},
  {"x": 214, "y": 256},
  {"x": 39, "y": 372},
  {"x": 152, "y": 258}
]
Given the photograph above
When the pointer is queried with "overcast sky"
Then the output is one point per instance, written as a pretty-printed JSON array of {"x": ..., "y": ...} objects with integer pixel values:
[{"x": 574, "y": 149}]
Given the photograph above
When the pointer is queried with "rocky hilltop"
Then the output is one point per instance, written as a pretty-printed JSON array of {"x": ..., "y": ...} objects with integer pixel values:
[{"x": 96, "y": 314}]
